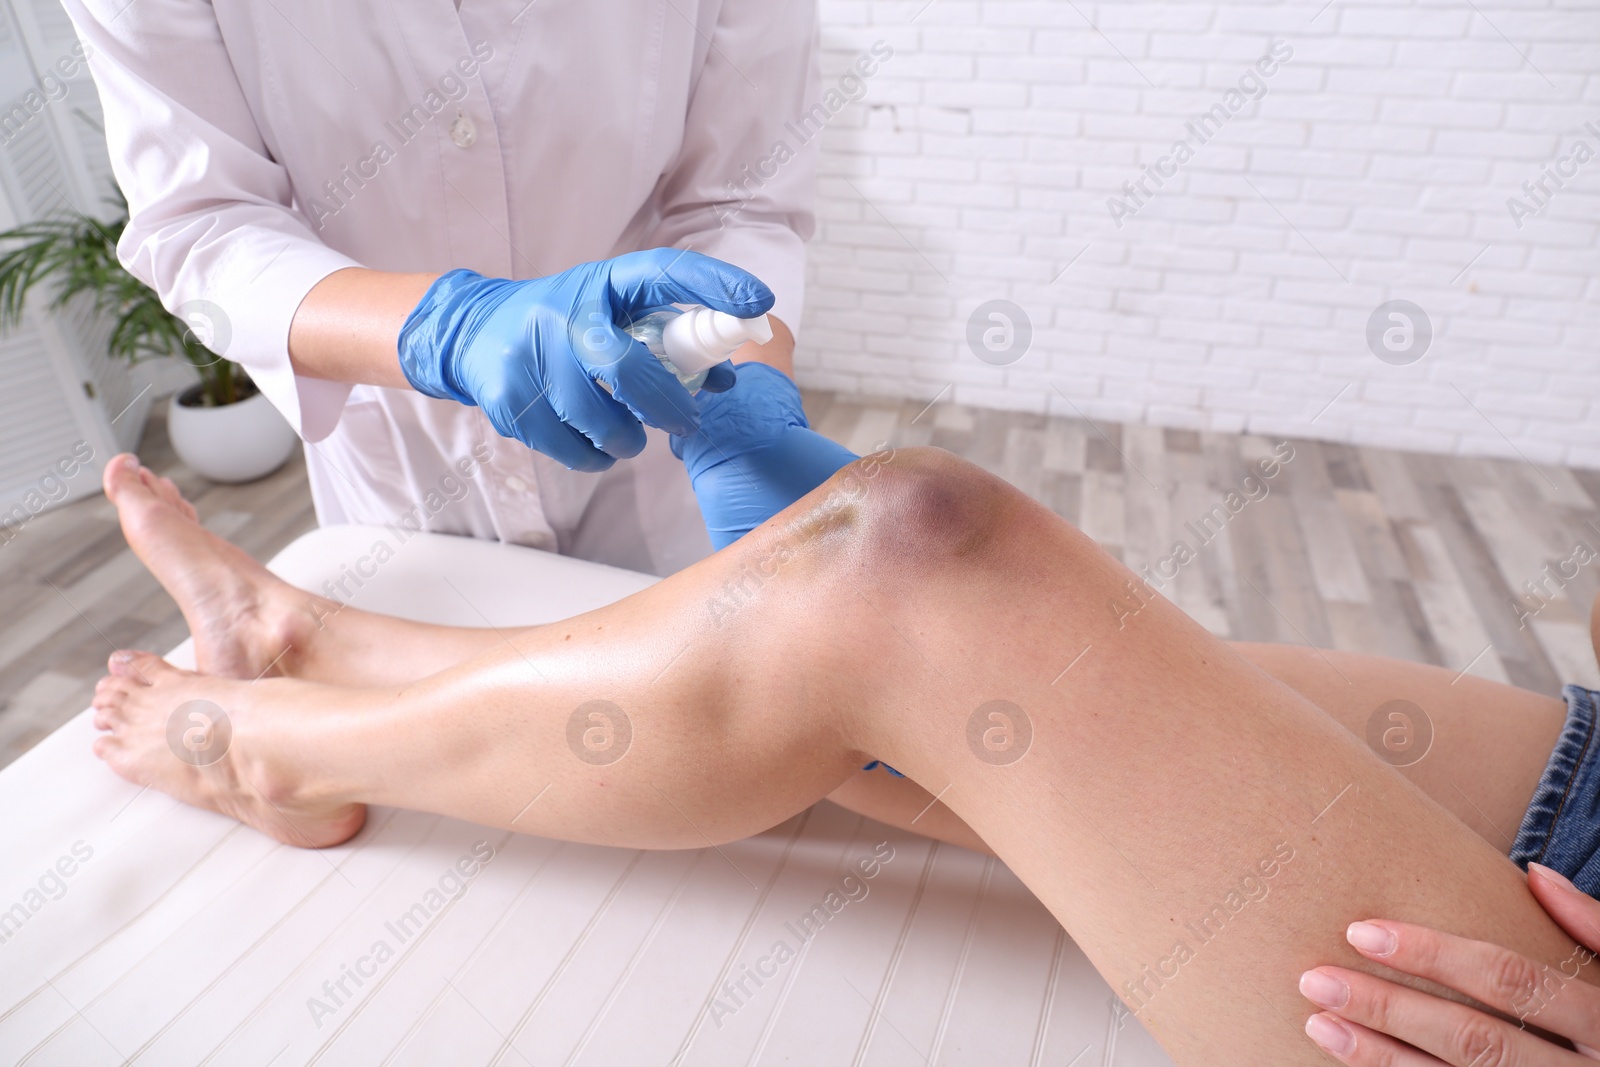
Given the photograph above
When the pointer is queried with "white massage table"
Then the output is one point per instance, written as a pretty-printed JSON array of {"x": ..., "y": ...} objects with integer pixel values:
[{"x": 181, "y": 937}]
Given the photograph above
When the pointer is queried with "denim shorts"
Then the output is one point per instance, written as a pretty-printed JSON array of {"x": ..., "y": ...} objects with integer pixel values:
[{"x": 1562, "y": 827}]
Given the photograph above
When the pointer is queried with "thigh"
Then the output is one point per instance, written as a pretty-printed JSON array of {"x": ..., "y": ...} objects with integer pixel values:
[{"x": 1476, "y": 746}]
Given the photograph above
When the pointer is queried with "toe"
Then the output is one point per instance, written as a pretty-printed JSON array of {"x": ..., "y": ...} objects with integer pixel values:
[
  {"x": 162, "y": 486},
  {"x": 121, "y": 473},
  {"x": 107, "y": 691},
  {"x": 110, "y": 700},
  {"x": 144, "y": 668},
  {"x": 168, "y": 490},
  {"x": 120, "y": 663}
]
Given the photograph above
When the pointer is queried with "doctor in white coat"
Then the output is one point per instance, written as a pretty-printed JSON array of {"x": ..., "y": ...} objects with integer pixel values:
[{"x": 303, "y": 172}]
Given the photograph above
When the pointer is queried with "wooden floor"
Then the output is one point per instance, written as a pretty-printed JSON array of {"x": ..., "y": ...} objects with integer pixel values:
[{"x": 1421, "y": 557}]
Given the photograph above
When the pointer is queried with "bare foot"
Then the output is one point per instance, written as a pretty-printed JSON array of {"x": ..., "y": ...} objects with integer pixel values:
[
  {"x": 200, "y": 739},
  {"x": 244, "y": 619}
]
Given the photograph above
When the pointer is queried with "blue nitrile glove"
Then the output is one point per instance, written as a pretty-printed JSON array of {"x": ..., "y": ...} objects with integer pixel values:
[
  {"x": 754, "y": 453},
  {"x": 533, "y": 354}
]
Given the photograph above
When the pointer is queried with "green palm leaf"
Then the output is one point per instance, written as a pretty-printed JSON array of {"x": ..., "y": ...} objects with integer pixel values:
[{"x": 75, "y": 255}]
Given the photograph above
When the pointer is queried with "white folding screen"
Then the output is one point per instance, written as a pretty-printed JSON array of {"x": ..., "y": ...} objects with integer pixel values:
[{"x": 65, "y": 405}]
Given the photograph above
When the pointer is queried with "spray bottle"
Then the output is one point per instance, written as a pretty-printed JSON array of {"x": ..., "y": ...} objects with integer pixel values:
[{"x": 691, "y": 341}]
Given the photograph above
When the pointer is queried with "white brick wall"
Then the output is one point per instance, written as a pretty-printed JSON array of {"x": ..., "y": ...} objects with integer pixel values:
[{"x": 979, "y": 164}]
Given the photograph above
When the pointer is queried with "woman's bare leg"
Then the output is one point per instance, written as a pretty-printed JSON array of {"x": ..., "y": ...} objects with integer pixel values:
[
  {"x": 1475, "y": 746},
  {"x": 247, "y": 621},
  {"x": 1201, "y": 829}
]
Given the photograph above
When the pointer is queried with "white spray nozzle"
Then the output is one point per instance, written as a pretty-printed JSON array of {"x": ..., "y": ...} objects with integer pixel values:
[
  {"x": 727, "y": 327},
  {"x": 702, "y": 337}
]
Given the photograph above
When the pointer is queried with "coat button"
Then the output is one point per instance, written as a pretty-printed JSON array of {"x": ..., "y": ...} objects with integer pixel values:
[
  {"x": 463, "y": 132},
  {"x": 515, "y": 484}
]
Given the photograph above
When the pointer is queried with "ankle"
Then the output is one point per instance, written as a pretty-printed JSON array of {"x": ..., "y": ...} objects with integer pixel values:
[
  {"x": 266, "y": 738},
  {"x": 296, "y": 627},
  {"x": 253, "y": 766}
]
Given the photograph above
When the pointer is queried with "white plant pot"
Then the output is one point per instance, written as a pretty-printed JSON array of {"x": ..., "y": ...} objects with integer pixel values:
[{"x": 234, "y": 443}]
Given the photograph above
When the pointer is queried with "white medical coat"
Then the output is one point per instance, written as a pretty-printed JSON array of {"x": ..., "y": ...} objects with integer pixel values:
[{"x": 263, "y": 144}]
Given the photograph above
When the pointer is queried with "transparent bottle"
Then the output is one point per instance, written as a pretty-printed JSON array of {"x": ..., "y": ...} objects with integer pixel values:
[{"x": 691, "y": 340}]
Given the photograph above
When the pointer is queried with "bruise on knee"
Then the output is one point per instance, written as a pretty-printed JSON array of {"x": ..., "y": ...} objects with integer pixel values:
[{"x": 932, "y": 510}]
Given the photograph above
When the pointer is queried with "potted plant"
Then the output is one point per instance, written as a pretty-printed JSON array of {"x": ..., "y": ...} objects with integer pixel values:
[{"x": 222, "y": 426}]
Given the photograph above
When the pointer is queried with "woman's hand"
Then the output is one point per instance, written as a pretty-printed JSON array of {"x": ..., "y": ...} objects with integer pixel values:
[{"x": 1365, "y": 1015}]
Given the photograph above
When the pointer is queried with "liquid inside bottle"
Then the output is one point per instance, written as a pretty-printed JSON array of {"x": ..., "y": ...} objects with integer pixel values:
[{"x": 649, "y": 330}]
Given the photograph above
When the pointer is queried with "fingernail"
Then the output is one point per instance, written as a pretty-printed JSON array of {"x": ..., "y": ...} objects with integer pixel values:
[
  {"x": 1554, "y": 877},
  {"x": 1331, "y": 1035},
  {"x": 1371, "y": 939},
  {"x": 1324, "y": 990},
  {"x": 122, "y": 655}
]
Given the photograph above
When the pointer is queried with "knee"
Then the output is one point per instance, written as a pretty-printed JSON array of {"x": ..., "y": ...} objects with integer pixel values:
[{"x": 916, "y": 511}]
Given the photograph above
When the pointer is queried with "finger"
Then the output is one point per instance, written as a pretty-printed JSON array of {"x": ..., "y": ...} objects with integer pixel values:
[
  {"x": 579, "y": 401},
  {"x": 650, "y": 391},
  {"x": 609, "y": 425},
  {"x": 1452, "y": 1032},
  {"x": 721, "y": 378},
  {"x": 630, "y": 372},
  {"x": 1488, "y": 973},
  {"x": 1576, "y": 911},
  {"x": 1356, "y": 1045},
  {"x": 662, "y": 276},
  {"x": 535, "y": 423}
]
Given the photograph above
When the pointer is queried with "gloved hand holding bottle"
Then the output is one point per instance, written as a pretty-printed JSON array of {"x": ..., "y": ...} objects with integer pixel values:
[
  {"x": 754, "y": 453},
  {"x": 548, "y": 360}
]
